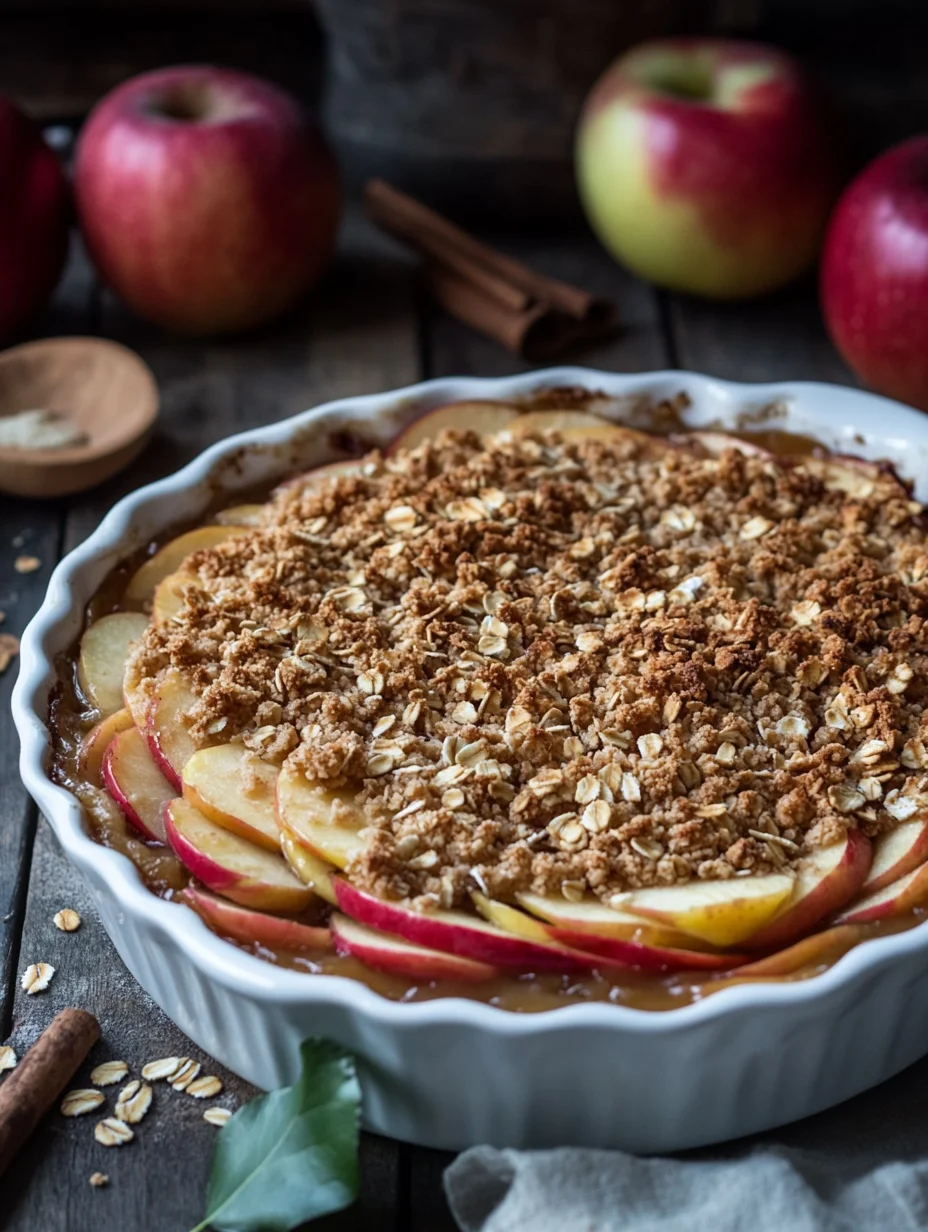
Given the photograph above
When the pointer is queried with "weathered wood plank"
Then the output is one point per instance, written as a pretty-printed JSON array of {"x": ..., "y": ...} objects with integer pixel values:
[
  {"x": 779, "y": 336},
  {"x": 358, "y": 333},
  {"x": 27, "y": 528}
]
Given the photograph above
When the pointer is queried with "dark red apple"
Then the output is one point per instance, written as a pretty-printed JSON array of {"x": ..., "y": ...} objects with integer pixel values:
[
  {"x": 34, "y": 216},
  {"x": 875, "y": 274},
  {"x": 706, "y": 165},
  {"x": 208, "y": 198}
]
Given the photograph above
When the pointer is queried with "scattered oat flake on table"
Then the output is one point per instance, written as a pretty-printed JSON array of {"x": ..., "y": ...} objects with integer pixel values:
[
  {"x": 111, "y": 1132},
  {"x": 99, "y": 1179},
  {"x": 167, "y": 1067},
  {"x": 217, "y": 1116},
  {"x": 8, "y": 1058},
  {"x": 186, "y": 1073},
  {"x": 27, "y": 564},
  {"x": 81, "y": 1101},
  {"x": 9, "y": 648},
  {"x": 133, "y": 1102},
  {"x": 108, "y": 1072},
  {"x": 37, "y": 977},
  {"x": 205, "y": 1087},
  {"x": 67, "y": 920}
]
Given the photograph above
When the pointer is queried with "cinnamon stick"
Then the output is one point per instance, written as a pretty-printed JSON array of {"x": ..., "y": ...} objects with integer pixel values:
[
  {"x": 29, "y": 1090},
  {"x": 526, "y": 311}
]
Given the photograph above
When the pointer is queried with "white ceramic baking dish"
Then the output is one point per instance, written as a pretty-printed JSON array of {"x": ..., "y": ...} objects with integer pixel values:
[{"x": 450, "y": 1072}]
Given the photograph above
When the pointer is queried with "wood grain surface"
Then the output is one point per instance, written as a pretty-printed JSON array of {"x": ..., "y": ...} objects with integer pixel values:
[{"x": 367, "y": 327}]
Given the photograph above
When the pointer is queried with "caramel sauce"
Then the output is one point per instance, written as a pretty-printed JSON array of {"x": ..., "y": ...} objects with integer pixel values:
[{"x": 71, "y": 717}]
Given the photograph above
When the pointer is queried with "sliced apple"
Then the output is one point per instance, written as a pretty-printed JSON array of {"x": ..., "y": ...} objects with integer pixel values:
[
  {"x": 897, "y": 852},
  {"x": 101, "y": 663},
  {"x": 95, "y": 743},
  {"x": 169, "y": 595},
  {"x": 591, "y": 916},
  {"x": 231, "y": 865},
  {"x": 327, "y": 822},
  {"x": 487, "y": 418},
  {"x": 404, "y": 958},
  {"x": 511, "y": 919},
  {"x": 723, "y": 913},
  {"x": 581, "y": 426},
  {"x": 136, "y": 698},
  {"x": 171, "y": 743},
  {"x": 456, "y": 932},
  {"x": 647, "y": 957},
  {"x": 236, "y": 789},
  {"x": 825, "y": 881},
  {"x": 250, "y": 927},
  {"x": 134, "y": 781},
  {"x": 312, "y": 871},
  {"x": 169, "y": 559},
  {"x": 897, "y": 898},
  {"x": 822, "y": 947},
  {"x": 319, "y": 476},
  {"x": 240, "y": 515}
]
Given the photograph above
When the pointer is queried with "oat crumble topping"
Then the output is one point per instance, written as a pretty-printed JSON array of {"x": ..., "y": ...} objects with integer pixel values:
[{"x": 571, "y": 666}]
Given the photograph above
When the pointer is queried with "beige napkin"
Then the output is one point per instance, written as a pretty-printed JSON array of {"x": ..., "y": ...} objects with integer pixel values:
[{"x": 862, "y": 1167}]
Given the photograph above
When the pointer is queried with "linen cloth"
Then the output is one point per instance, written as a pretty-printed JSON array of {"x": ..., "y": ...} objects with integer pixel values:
[{"x": 861, "y": 1166}]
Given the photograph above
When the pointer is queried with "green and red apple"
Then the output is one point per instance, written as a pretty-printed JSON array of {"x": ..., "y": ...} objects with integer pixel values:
[{"x": 706, "y": 166}]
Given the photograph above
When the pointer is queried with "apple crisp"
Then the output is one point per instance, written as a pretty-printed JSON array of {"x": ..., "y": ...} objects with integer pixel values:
[{"x": 571, "y": 665}]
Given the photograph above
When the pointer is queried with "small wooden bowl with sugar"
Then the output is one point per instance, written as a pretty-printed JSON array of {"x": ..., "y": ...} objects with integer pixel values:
[{"x": 73, "y": 412}]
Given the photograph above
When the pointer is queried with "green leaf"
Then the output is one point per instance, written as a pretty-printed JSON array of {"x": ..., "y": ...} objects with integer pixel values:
[{"x": 290, "y": 1155}]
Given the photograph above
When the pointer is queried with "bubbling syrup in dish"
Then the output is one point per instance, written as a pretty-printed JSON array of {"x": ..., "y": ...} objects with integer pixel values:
[{"x": 658, "y": 952}]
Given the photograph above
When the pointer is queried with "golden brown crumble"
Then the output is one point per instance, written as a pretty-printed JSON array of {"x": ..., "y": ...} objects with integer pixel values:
[{"x": 562, "y": 666}]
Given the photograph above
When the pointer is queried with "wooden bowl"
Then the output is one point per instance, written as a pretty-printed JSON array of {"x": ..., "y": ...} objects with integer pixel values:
[{"x": 103, "y": 388}]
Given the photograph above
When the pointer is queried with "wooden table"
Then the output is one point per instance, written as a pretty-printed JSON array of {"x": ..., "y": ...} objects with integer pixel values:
[{"x": 367, "y": 328}]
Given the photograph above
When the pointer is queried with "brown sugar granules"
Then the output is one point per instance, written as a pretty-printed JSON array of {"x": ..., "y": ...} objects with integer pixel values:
[{"x": 546, "y": 664}]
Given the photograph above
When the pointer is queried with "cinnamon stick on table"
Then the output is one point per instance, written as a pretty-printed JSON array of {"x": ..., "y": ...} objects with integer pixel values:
[
  {"x": 28, "y": 1092},
  {"x": 529, "y": 313}
]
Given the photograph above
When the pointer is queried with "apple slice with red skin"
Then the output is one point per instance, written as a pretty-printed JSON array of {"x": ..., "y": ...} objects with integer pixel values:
[
  {"x": 312, "y": 871},
  {"x": 456, "y": 932},
  {"x": 95, "y": 743},
  {"x": 613, "y": 949},
  {"x": 231, "y": 865},
  {"x": 825, "y": 881},
  {"x": 485, "y": 418},
  {"x": 134, "y": 781},
  {"x": 404, "y": 958},
  {"x": 327, "y": 822},
  {"x": 724, "y": 913},
  {"x": 255, "y": 927},
  {"x": 581, "y": 426},
  {"x": 171, "y": 744},
  {"x": 319, "y": 476},
  {"x": 897, "y": 898},
  {"x": 591, "y": 916},
  {"x": 236, "y": 789},
  {"x": 168, "y": 560},
  {"x": 816, "y": 948},
  {"x": 101, "y": 662},
  {"x": 897, "y": 852}
]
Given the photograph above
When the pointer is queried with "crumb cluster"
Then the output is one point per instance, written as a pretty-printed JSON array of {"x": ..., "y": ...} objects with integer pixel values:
[{"x": 573, "y": 665}]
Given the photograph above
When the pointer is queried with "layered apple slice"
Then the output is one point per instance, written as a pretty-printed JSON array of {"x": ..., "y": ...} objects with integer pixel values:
[
  {"x": 327, "y": 822},
  {"x": 313, "y": 872},
  {"x": 232, "y": 866},
  {"x": 404, "y": 958},
  {"x": 135, "y": 782},
  {"x": 457, "y": 932},
  {"x": 589, "y": 915},
  {"x": 235, "y": 788},
  {"x": 168, "y": 560},
  {"x": 102, "y": 658},
  {"x": 825, "y": 881},
  {"x": 251, "y": 927},
  {"x": 95, "y": 743},
  {"x": 816, "y": 949},
  {"x": 897, "y": 852},
  {"x": 897, "y": 898},
  {"x": 486, "y": 418},
  {"x": 170, "y": 595},
  {"x": 724, "y": 913},
  {"x": 167, "y": 728}
]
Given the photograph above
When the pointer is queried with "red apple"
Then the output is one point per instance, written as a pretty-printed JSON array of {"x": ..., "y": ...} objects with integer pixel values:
[
  {"x": 255, "y": 927},
  {"x": 404, "y": 958},
  {"x": 705, "y": 165},
  {"x": 897, "y": 898},
  {"x": 208, "y": 198},
  {"x": 34, "y": 216},
  {"x": 875, "y": 274},
  {"x": 135, "y": 782}
]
